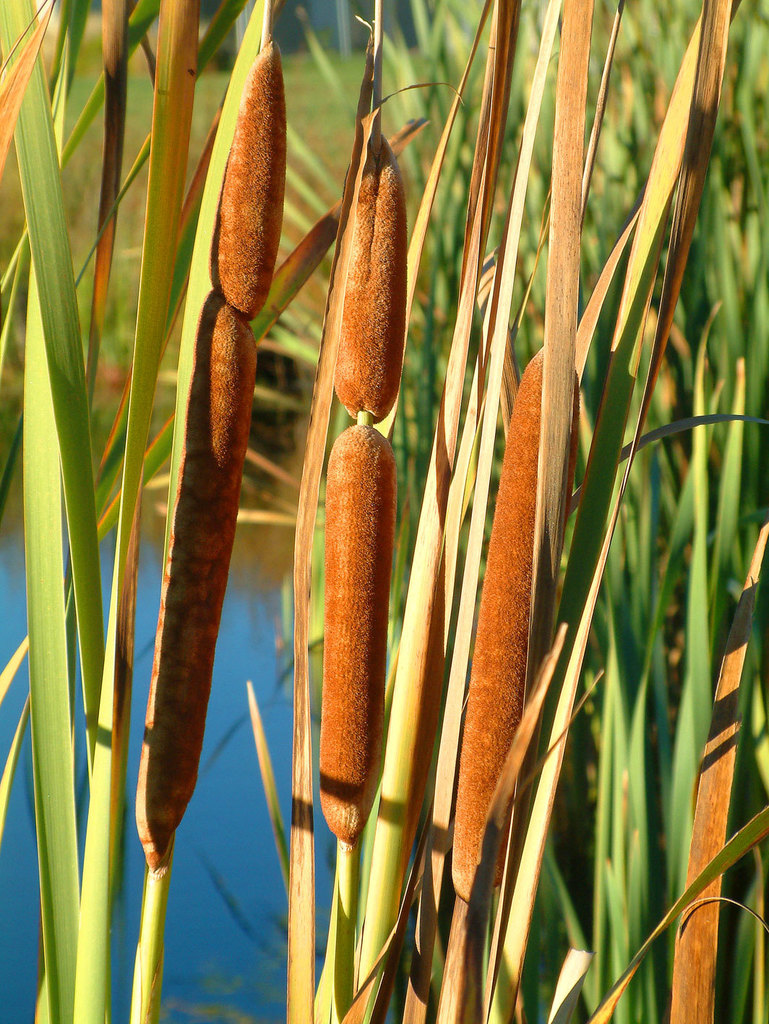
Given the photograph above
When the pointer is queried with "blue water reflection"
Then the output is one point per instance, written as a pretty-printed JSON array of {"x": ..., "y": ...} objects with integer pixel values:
[{"x": 225, "y": 932}]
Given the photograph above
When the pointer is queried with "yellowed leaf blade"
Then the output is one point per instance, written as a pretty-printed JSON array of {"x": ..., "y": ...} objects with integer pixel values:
[
  {"x": 703, "y": 111},
  {"x": 390, "y": 954},
  {"x": 301, "y": 897},
  {"x": 268, "y": 782},
  {"x": 570, "y": 981},
  {"x": 600, "y": 108},
  {"x": 14, "y": 83},
  {"x": 587, "y": 324},
  {"x": 9, "y": 672},
  {"x": 561, "y": 304},
  {"x": 694, "y": 966},
  {"x": 521, "y": 907},
  {"x": 6, "y": 781}
]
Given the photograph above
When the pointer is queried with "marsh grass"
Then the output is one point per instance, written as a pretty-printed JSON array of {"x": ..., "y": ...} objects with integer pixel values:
[{"x": 670, "y": 325}]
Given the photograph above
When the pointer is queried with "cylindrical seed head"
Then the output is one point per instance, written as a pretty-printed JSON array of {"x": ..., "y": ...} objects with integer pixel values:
[
  {"x": 498, "y": 675},
  {"x": 360, "y": 532},
  {"x": 370, "y": 358},
  {"x": 247, "y": 232},
  {"x": 195, "y": 579}
]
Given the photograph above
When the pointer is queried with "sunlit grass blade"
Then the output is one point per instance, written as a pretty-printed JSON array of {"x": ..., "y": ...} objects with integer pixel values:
[
  {"x": 172, "y": 112},
  {"x": 9, "y": 672},
  {"x": 6, "y": 476},
  {"x": 639, "y": 278},
  {"x": 694, "y": 968},
  {"x": 49, "y": 243},
  {"x": 694, "y": 710},
  {"x": 9, "y": 771},
  {"x": 124, "y": 664},
  {"x": 268, "y": 783},
  {"x": 50, "y": 699}
]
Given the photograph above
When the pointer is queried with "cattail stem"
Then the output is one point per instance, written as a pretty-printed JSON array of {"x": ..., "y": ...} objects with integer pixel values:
[
  {"x": 266, "y": 24},
  {"x": 148, "y": 971},
  {"x": 376, "y": 130},
  {"x": 365, "y": 418},
  {"x": 348, "y": 877}
]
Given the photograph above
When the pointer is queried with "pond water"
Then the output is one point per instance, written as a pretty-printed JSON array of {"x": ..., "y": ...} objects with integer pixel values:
[{"x": 225, "y": 928}]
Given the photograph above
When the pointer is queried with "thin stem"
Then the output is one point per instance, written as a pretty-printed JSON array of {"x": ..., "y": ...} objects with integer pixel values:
[
  {"x": 376, "y": 131},
  {"x": 266, "y": 24},
  {"x": 148, "y": 971},
  {"x": 365, "y": 418},
  {"x": 348, "y": 867}
]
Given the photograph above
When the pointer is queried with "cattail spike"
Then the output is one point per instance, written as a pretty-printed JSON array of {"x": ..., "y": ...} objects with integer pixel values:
[
  {"x": 368, "y": 368},
  {"x": 498, "y": 676},
  {"x": 360, "y": 533},
  {"x": 247, "y": 232},
  {"x": 204, "y": 516}
]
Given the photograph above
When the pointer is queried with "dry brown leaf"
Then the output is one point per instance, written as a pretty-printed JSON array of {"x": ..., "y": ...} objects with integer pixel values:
[
  {"x": 14, "y": 83},
  {"x": 694, "y": 967}
]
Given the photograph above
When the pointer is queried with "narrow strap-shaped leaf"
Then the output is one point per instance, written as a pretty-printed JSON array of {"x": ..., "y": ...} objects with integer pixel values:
[
  {"x": 172, "y": 114},
  {"x": 15, "y": 81},
  {"x": 52, "y": 756},
  {"x": 694, "y": 967},
  {"x": 711, "y": 62},
  {"x": 114, "y": 15},
  {"x": 268, "y": 783},
  {"x": 52, "y": 260},
  {"x": 561, "y": 312},
  {"x": 9, "y": 771}
]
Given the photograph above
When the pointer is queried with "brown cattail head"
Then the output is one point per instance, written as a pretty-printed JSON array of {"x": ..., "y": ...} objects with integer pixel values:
[
  {"x": 360, "y": 532},
  {"x": 247, "y": 232},
  {"x": 498, "y": 676},
  {"x": 195, "y": 579},
  {"x": 368, "y": 368}
]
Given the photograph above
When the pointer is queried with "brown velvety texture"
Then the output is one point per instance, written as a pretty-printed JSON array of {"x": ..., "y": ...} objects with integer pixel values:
[
  {"x": 368, "y": 367},
  {"x": 498, "y": 676},
  {"x": 360, "y": 532},
  {"x": 247, "y": 231},
  {"x": 195, "y": 579}
]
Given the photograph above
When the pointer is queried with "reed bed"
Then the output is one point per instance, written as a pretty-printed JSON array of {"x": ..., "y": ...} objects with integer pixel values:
[{"x": 593, "y": 672}]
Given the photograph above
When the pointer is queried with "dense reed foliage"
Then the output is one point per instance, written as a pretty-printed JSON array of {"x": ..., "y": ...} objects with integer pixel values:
[{"x": 601, "y": 200}]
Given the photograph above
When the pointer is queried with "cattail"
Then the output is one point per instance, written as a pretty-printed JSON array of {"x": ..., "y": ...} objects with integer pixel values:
[
  {"x": 368, "y": 367},
  {"x": 360, "y": 531},
  {"x": 498, "y": 676},
  {"x": 202, "y": 532},
  {"x": 247, "y": 231}
]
